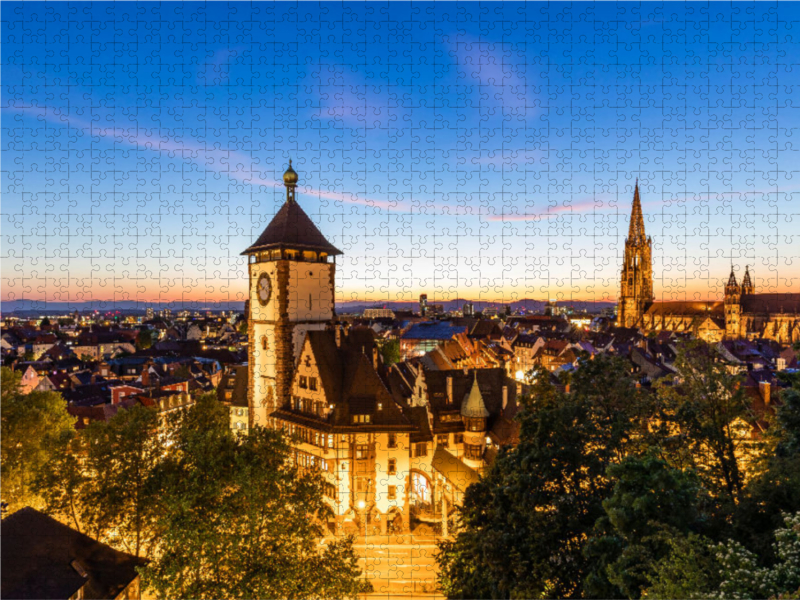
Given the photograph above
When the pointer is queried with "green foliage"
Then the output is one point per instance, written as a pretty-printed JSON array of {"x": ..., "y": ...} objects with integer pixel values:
[
  {"x": 698, "y": 568},
  {"x": 122, "y": 455},
  {"x": 30, "y": 423},
  {"x": 390, "y": 351},
  {"x": 651, "y": 501},
  {"x": 689, "y": 570},
  {"x": 236, "y": 521},
  {"x": 614, "y": 492},
  {"x": 704, "y": 409},
  {"x": 524, "y": 524},
  {"x": 144, "y": 339}
]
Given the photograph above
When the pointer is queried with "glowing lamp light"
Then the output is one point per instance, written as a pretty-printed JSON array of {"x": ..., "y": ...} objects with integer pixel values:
[{"x": 361, "y": 505}]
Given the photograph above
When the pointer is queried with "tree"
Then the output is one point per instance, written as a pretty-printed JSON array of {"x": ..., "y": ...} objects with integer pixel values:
[
  {"x": 144, "y": 339},
  {"x": 62, "y": 481},
  {"x": 390, "y": 351},
  {"x": 524, "y": 525},
  {"x": 699, "y": 568},
  {"x": 237, "y": 521},
  {"x": 121, "y": 456},
  {"x": 30, "y": 422},
  {"x": 704, "y": 408},
  {"x": 650, "y": 503},
  {"x": 45, "y": 322},
  {"x": 689, "y": 570}
]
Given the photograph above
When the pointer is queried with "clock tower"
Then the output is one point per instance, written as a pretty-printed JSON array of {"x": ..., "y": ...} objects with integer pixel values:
[{"x": 291, "y": 292}]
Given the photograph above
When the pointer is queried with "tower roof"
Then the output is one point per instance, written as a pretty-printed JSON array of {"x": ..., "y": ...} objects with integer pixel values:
[
  {"x": 292, "y": 228},
  {"x": 732, "y": 279},
  {"x": 746, "y": 282},
  {"x": 636, "y": 228},
  {"x": 473, "y": 406}
]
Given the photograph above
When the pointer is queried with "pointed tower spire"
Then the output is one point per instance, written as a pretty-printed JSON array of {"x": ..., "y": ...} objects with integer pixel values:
[
  {"x": 473, "y": 406},
  {"x": 732, "y": 278},
  {"x": 636, "y": 228},
  {"x": 747, "y": 283}
]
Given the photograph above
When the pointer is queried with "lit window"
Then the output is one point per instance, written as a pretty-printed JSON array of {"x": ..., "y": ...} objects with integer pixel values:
[
  {"x": 303, "y": 382},
  {"x": 442, "y": 440},
  {"x": 392, "y": 492},
  {"x": 392, "y": 466},
  {"x": 312, "y": 383}
]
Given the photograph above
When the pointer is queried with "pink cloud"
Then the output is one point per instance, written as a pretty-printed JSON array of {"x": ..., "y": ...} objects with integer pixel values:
[{"x": 213, "y": 159}]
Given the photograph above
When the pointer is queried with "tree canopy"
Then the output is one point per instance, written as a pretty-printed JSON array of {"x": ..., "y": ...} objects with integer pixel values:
[
  {"x": 30, "y": 424},
  {"x": 618, "y": 491}
]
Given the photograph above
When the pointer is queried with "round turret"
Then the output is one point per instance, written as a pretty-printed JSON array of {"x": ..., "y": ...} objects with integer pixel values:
[{"x": 290, "y": 176}]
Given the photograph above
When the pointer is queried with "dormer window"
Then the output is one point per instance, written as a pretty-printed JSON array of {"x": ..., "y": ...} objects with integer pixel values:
[{"x": 361, "y": 418}]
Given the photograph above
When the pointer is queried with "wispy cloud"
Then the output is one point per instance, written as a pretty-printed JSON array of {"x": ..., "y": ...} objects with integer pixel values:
[
  {"x": 235, "y": 165},
  {"x": 496, "y": 69},
  {"x": 353, "y": 101}
]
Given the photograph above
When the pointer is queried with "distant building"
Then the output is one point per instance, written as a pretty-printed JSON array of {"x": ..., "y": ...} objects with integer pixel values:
[
  {"x": 742, "y": 314},
  {"x": 42, "y": 558},
  {"x": 378, "y": 313},
  {"x": 469, "y": 309},
  {"x": 423, "y": 304}
]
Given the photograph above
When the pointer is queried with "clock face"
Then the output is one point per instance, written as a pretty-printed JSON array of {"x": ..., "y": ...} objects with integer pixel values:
[{"x": 264, "y": 289}]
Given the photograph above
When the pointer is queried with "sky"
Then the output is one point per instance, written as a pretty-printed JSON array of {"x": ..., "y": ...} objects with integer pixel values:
[{"x": 465, "y": 150}]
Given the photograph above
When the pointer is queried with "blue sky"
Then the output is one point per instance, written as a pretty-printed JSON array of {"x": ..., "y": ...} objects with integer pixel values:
[{"x": 479, "y": 150}]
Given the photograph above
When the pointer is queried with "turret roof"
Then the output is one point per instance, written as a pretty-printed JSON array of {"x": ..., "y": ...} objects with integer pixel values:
[
  {"x": 292, "y": 228},
  {"x": 473, "y": 406}
]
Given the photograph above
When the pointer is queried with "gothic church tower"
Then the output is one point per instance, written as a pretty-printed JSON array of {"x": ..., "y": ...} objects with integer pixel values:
[
  {"x": 732, "y": 305},
  {"x": 291, "y": 292},
  {"x": 637, "y": 269}
]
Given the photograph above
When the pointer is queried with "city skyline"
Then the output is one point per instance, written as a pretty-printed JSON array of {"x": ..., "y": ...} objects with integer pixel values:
[{"x": 442, "y": 160}]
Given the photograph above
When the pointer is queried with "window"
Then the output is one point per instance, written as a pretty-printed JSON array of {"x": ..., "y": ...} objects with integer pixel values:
[
  {"x": 392, "y": 440},
  {"x": 312, "y": 383},
  {"x": 421, "y": 449},
  {"x": 475, "y": 424},
  {"x": 303, "y": 382},
  {"x": 442, "y": 440},
  {"x": 392, "y": 492},
  {"x": 392, "y": 466},
  {"x": 472, "y": 451},
  {"x": 362, "y": 451},
  {"x": 458, "y": 438},
  {"x": 361, "y": 418}
]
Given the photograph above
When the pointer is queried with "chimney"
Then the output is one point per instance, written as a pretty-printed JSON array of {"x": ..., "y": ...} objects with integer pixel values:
[
  {"x": 449, "y": 390},
  {"x": 375, "y": 357},
  {"x": 505, "y": 396},
  {"x": 764, "y": 390}
]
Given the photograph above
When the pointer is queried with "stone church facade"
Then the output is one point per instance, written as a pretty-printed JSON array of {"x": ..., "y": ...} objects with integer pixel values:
[
  {"x": 743, "y": 313},
  {"x": 390, "y": 444}
]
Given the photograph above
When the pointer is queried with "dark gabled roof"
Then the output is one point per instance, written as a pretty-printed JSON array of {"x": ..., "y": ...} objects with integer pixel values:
[
  {"x": 771, "y": 303},
  {"x": 292, "y": 228},
  {"x": 38, "y": 555}
]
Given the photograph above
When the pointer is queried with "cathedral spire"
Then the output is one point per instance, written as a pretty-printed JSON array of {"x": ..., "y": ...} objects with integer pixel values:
[
  {"x": 732, "y": 279},
  {"x": 636, "y": 228},
  {"x": 747, "y": 283}
]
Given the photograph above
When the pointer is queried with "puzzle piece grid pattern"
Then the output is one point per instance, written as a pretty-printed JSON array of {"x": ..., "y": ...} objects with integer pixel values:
[{"x": 467, "y": 150}]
